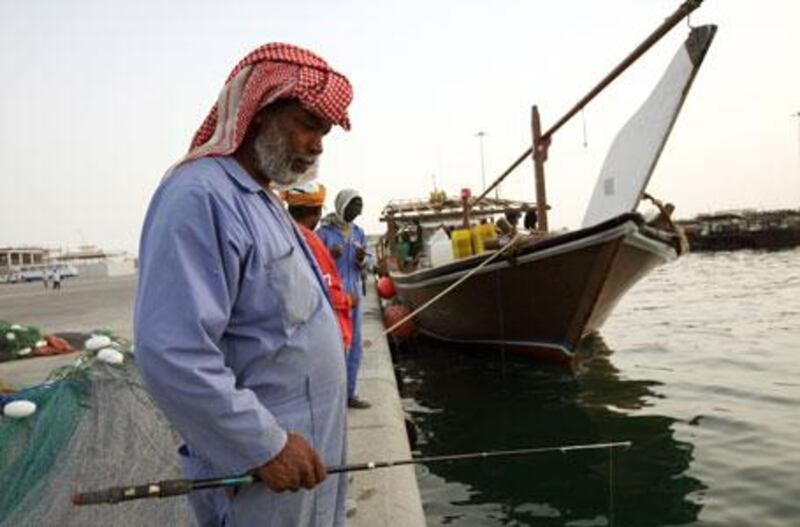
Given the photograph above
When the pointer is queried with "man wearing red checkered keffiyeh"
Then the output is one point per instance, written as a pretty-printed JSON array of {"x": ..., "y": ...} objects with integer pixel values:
[
  {"x": 271, "y": 72},
  {"x": 235, "y": 336}
]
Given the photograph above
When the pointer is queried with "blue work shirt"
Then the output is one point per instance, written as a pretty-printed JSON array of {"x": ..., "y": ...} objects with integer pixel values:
[
  {"x": 350, "y": 272},
  {"x": 237, "y": 342},
  {"x": 347, "y": 264}
]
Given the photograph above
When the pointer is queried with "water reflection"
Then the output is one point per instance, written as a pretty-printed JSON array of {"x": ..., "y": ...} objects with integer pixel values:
[{"x": 467, "y": 402}]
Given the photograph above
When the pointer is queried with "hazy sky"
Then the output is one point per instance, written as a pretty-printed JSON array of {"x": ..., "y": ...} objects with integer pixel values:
[{"x": 98, "y": 98}]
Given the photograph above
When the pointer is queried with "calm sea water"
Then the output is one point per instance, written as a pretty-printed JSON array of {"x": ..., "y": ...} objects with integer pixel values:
[{"x": 699, "y": 367}]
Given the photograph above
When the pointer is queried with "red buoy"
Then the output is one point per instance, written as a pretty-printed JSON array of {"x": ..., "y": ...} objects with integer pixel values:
[
  {"x": 386, "y": 287},
  {"x": 394, "y": 314}
]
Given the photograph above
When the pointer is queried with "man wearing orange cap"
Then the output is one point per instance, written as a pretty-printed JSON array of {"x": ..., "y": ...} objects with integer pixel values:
[
  {"x": 235, "y": 337},
  {"x": 305, "y": 206}
]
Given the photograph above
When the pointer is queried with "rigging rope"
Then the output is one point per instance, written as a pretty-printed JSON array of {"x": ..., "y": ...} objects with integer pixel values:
[{"x": 453, "y": 286}]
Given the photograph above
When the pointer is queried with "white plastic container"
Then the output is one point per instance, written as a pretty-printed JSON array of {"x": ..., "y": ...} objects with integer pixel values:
[{"x": 440, "y": 248}]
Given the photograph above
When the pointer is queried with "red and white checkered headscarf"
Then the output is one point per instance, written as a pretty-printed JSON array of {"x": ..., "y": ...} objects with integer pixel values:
[{"x": 271, "y": 72}]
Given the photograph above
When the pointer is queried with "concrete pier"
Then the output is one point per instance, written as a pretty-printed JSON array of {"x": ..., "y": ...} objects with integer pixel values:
[
  {"x": 383, "y": 497},
  {"x": 387, "y": 496}
]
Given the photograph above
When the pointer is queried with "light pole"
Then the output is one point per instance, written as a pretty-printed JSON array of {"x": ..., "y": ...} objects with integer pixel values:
[{"x": 480, "y": 135}]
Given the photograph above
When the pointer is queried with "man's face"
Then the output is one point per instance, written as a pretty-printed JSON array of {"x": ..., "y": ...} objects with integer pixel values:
[
  {"x": 288, "y": 143},
  {"x": 353, "y": 209}
]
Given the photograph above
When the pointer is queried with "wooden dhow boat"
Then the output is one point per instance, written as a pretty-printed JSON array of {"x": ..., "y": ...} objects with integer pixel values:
[{"x": 547, "y": 291}]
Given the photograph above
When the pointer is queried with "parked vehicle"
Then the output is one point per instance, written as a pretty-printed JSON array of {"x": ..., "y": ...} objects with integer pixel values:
[
  {"x": 66, "y": 270},
  {"x": 32, "y": 273},
  {"x": 10, "y": 277}
]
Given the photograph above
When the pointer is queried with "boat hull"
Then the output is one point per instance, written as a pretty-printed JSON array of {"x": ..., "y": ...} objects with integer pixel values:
[{"x": 542, "y": 300}]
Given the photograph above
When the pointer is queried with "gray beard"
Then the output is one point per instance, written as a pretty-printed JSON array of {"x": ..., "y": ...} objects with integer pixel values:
[{"x": 273, "y": 158}]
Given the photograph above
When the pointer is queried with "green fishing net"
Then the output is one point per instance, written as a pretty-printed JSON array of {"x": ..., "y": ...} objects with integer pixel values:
[
  {"x": 31, "y": 446},
  {"x": 95, "y": 427},
  {"x": 15, "y": 339}
]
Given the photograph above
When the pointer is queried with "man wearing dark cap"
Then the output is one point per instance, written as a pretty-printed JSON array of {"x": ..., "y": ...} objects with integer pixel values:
[{"x": 235, "y": 337}]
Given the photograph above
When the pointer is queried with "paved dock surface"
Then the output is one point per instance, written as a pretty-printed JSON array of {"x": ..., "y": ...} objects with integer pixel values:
[
  {"x": 383, "y": 497},
  {"x": 82, "y": 304}
]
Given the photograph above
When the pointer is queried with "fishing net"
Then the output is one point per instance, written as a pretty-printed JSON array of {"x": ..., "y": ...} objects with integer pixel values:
[
  {"x": 17, "y": 341},
  {"x": 95, "y": 427}
]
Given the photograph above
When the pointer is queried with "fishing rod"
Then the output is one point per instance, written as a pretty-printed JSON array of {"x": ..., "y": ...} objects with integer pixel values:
[{"x": 177, "y": 487}]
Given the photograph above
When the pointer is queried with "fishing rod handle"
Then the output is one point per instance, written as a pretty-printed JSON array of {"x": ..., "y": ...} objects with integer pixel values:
[{"x": 162, "y": 489}]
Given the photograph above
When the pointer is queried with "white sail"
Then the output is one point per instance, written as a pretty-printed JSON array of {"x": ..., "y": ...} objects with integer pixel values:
[{"x": 634, "y": 153}]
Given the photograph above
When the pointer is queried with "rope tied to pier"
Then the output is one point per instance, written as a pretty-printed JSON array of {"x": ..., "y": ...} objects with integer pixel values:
[{"x": 451, "y": 287}]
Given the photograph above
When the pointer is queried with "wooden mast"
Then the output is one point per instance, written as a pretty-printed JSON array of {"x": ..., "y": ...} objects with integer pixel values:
[{"x": 539, "y": 153}]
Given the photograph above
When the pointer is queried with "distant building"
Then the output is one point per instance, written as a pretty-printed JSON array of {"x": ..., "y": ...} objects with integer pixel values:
[
  {"x": 34, "y": 263},
  {"x": 91, "y": 261},
  {"x": 15, "y": 257}
]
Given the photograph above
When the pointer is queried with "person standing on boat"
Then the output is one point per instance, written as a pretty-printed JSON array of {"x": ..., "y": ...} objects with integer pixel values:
[
  {"x": 348, "y": 245},
  {"x": 507, "y": 225},
  {"x": 235, "y": 337},
  {"x": 531, "y": 220},
  {"x": 305, "y": 207}
]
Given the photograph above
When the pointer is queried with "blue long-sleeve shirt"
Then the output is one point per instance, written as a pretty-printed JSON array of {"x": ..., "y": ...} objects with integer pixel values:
[
  {"x": 235, "y": 337},
  {"x": 347, "y": 264}
]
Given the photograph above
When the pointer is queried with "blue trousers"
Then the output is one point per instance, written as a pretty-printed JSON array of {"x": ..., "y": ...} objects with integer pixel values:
[{"x": 354, "y": 355}]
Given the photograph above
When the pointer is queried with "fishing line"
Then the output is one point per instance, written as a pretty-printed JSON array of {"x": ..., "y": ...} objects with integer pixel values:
[
  {"x": 501, "y": 319},
  {"x": 611, "y": 487}
]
